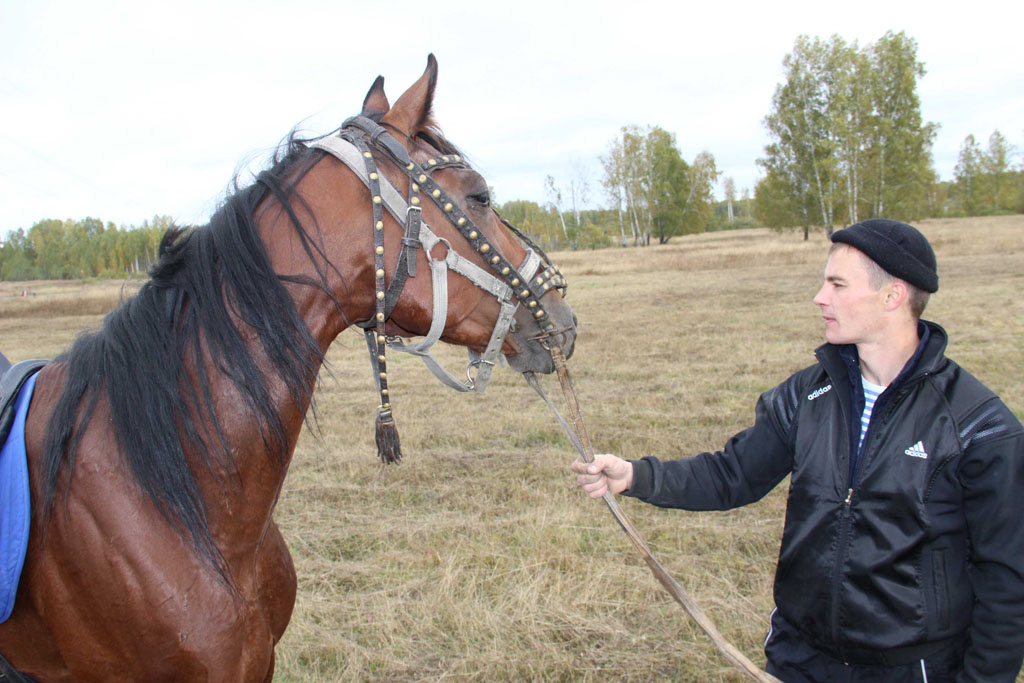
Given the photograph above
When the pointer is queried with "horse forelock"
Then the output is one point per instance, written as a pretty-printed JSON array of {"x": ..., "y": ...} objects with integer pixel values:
[{"x": 154, "y": 357}]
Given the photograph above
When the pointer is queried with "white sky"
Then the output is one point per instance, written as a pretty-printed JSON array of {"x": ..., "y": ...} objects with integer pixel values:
[{"x": 123, "y": 110}]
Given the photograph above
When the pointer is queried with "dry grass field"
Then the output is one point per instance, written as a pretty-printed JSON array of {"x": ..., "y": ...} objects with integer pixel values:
[{"x": 477, "y": 558}]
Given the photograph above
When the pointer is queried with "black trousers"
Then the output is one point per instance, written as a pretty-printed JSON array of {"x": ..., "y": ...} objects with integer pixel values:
[{"x": 792, "y": 660}]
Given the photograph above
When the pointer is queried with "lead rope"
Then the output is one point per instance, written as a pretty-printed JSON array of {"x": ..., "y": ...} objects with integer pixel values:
[{"x": 577, "y": 434}]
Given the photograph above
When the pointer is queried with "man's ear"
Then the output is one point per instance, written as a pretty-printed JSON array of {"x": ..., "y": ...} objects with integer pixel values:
[{"x": 897, "y": 292}]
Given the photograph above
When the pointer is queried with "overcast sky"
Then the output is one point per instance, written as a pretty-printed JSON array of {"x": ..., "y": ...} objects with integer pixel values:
[{"x": 123, "y": 110}]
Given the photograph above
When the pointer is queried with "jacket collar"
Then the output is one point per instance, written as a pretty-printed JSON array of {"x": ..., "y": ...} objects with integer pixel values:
[{"x": 840, "y": 360}]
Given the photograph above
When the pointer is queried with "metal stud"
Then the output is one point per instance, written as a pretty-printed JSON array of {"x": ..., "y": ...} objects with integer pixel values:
[
  {"x": 374, "y": 176},
  {"x": 386, "y": 406},
  {"x": 380, "y": 272},
  {"x": 525, "y": 294},
  {"x": 432, "y": 162},
  {"x": 381, "y": 359},
  {"x": 379, "y": 225},
  {"x": 383, "y": 392},
  {"x": 448, "y": 206},
  {"x": 495, "y": 259},
  {"x": 414, "y": 201},
  {"x": 515, "y": 282},
  {"x": 376, "y": 199},
  {"x": 444, "y": 159},
  {"x": 380, "y": 317},
  {"x": 473, "y": 234},
  {"x": 506, "y": 270},
  {"x": 379, "y": 250},
  {"x": 457, "y": 158},
  {"x": 422, "y": 178},
  {"x": 461, "y": 221},
  {"x": 380, "y": 296},
  {"x": 381, "y": 339},
  {"x": 368, "y": 155},
  {"x": 540, "y": 280},
  {"x": 484, "y": 248},
  {"x": 435, "y": 194},
  {"x": 415, "y": 187},
  {"x": 533, "y": 304},
  {"x": 411, "y": 166},
  {"x": 539, "y": 313}
]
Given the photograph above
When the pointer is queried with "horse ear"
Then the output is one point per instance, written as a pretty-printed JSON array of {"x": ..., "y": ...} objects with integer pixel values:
[
  {"x": 376, "y": 102},
  {"x": 412, "y": 110}
]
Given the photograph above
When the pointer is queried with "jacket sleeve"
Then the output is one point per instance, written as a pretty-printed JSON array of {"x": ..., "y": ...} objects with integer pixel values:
[
  {"x": 750, "y": 465},
  {"x": 992, "y": 476}
]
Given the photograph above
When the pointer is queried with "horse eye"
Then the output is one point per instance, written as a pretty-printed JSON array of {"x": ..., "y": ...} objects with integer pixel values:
[{"x": 481, "y": 198}]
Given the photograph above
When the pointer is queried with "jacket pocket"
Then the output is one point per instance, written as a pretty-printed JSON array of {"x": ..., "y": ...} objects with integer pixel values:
[{"x": 940, "y": 588}]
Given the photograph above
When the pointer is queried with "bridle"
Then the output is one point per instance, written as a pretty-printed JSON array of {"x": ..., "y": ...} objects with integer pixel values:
[{"x": 512, "y": 285}]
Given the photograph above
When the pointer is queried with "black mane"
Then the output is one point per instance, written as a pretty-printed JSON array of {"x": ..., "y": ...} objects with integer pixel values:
[{"x": 204, "y": 278}]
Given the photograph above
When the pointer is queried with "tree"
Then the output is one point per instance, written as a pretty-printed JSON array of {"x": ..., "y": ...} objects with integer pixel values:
[
  {"x": 967, "y": 174},
  {"x": 847, "y": 137},
  {"x": 729, "y": 189}
]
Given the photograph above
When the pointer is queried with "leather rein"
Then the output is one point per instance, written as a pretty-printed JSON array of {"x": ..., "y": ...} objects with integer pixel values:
[{"x": 512, "y": 285}]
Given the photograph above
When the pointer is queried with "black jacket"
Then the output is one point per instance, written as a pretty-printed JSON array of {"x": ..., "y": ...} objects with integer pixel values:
[{"x": 924, "y": 544}]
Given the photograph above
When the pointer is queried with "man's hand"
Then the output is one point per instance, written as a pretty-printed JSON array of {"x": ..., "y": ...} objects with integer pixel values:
[{"x": 606, "y": 473}]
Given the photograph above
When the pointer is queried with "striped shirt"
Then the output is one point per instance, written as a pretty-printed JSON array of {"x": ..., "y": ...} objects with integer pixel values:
[{"x": 871, "y": 393}]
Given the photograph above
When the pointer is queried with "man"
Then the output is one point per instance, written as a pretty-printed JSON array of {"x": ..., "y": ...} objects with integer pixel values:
[{"x": 902, "y": 555}]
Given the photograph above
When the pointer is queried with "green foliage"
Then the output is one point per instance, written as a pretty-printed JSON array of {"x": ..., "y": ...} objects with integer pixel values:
[
  {"x": 986, "y": 181},
  {"x": 848, "y": 140},
  {"x": 653, "y": 190},
  {"x": 60, "y": 250}
]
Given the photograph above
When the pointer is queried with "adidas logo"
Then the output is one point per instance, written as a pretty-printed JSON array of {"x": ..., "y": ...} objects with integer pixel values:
[
  {"x": 917, "y": 450},
  {"x": 819, "y": 392}
]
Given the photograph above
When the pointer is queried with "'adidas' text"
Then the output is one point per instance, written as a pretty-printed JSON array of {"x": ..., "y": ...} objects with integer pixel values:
[{"x": 818, "y": 392}]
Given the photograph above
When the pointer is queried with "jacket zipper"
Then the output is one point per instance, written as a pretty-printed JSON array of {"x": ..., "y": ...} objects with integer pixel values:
[{"x": 846, "y": 517}]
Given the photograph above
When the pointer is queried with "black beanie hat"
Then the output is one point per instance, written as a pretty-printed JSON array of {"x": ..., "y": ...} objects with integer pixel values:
[{"x": 900, "y": 249}]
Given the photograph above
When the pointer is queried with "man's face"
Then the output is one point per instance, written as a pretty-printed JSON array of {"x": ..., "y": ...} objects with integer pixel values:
[{"x": 851, "y": 306}]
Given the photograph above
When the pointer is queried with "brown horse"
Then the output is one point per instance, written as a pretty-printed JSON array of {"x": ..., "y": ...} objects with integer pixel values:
[{"x": 158, "y": 445}]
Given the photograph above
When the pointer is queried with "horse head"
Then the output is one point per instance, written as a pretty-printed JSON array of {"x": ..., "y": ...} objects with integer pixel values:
[{"x": 454, "y": 201}]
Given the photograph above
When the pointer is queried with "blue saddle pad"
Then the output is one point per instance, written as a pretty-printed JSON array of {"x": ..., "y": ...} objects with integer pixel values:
[{"x": 15, "y": 505}]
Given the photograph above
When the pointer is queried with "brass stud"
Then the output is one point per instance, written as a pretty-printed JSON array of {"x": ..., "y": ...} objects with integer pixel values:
[
  {"x": 484, "y": 248},
  {"x": 444, "y": 159},
  {"x": 506, "y": 270},
  {"x": 367, "y": 155},
  {"x": 436, "y": 193},
  {"x": 379, "y": 225},
  {"x": 432, "y": 162},
  {"x": 411, "y": 166},
  {"x": 380, "y": 317},
  {"x": 540, "y": 280},
  {"x": 376, "y": 199},
  {"x": 381, "y": 359},
  {"x": 473, "y": 234},
  {"x": 380, "y": 272},
  {"x": 539, "y": 313},
  {"x": 380, "y": 296},
  {"x": 495, "y": 259},
  {"x": 533, "y": 304},
  {"x": 515, "y": 282},
  {"x": 525, "y": 294},
  {"x": 448, "y": 206},
  {"x": 457, "y": 158},
  {"x": 547, "y": 286},
  {"x": 415, "y": 187},
  {"x": 414, "y": 201},
  {"x": 386, "y": 406},
  {"x": 423, "y": 177},
  {"x": 379, "y": 250},
  {"x": 381, "y": 339},
  {"x": 383, "y": 392},
  {"x": 383, "y": 375},
  {"x": 461, "y": 221},
  {"x": 374, "y": 176}
]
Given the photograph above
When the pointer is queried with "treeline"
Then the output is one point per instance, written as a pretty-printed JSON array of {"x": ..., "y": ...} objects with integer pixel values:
[
  {"x": 70, "y": 249},
  {"x": 847, "y": 142}
]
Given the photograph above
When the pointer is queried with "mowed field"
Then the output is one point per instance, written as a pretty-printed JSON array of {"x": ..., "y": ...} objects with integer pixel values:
[{"x": 478, "y": 558}]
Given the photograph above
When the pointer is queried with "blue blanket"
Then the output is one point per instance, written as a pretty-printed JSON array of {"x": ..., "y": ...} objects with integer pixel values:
[{"x": 15, "y": 508}]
